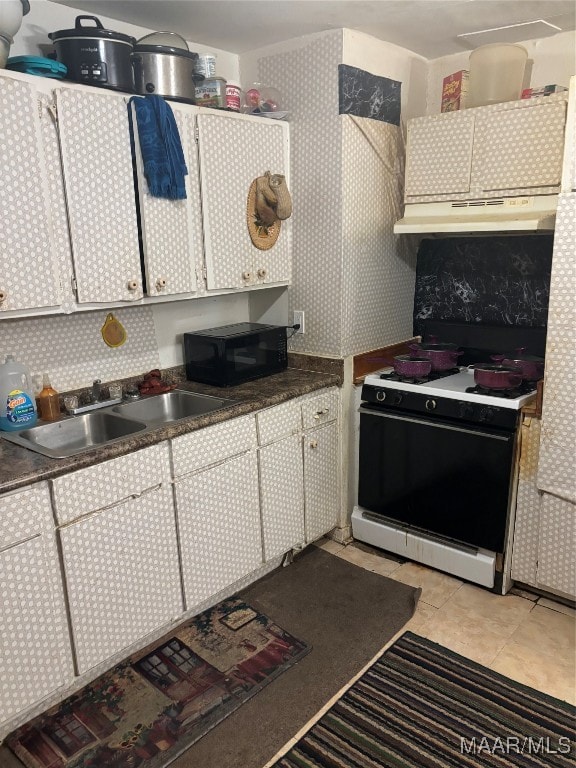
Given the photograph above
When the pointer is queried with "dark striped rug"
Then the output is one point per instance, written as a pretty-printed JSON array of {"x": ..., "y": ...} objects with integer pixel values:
[{"x": 423, "y": 706}]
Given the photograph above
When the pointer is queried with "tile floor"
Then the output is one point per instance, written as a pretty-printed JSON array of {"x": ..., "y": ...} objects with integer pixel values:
[
  {"x": 522, "y": 636},
  {"x": 528, "y": 638}
]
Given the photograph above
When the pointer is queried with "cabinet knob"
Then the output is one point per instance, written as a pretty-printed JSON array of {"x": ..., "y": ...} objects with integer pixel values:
[
  {"x": 314, "y": 444},
  {"x": 132, "y": 285},
  {"x": 262, "y": 273},
  {"x": 321, "y": 412},
  {"x": 3, "y": 295},
  {"x": 246, "y": 276},
  {"x": 161, "y": 283}
]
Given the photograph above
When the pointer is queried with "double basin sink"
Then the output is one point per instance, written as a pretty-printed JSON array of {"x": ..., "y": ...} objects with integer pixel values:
[{"x": 107, "y": 425}]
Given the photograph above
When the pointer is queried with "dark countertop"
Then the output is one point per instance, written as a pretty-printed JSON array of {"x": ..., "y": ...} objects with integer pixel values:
[{"x": 20, "y": 467}]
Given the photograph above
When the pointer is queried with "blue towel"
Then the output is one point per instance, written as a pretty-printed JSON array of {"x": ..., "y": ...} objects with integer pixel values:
[{"x": 164, "y": 164}]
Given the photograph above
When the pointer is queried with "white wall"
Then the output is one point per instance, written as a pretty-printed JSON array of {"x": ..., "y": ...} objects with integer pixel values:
[
  {"x": 550, "y": 60},
  {"x": 387, "y": 60},
  {"x": 45, "y": 17}
]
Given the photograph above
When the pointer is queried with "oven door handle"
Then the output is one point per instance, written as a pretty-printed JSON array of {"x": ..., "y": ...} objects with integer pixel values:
[{"x": 437, "y": 425}]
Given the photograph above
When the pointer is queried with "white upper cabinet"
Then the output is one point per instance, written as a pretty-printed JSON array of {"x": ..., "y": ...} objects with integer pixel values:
[
  {"x": 509, "y": 149},
  {"x": 171, "y": 229},
  {"x": 519, "y": 148},
  {"x": 28, "y": 264},
  {"x": 97, "y": 162},
  {"x": 439, "y": 154},
  {"x": 235, "y": 150}
]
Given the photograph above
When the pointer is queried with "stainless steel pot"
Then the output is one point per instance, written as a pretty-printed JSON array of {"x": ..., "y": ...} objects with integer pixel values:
[{"x": 165, "y": 70}]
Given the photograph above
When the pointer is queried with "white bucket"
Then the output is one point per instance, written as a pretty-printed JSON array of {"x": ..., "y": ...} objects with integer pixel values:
[{"x": 496, "y": 74}]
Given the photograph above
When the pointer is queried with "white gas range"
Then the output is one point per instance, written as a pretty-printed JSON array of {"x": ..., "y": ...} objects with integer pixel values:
[
  {"x": 457, "y": 386},
  {"x": 437, "y": 464}
]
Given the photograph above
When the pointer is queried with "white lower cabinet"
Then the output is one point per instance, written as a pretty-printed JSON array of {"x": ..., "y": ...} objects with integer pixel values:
[
  {"x": 282, "y": 496},
  {"x": 219, "y": 526},
  {"x": 120, "y": 561},
  {"x": 299, "y": 462},
  {"x": 216, "y": 489},
  {"x": 321, "y": 480},
  {"x": 35, "y": 658}
]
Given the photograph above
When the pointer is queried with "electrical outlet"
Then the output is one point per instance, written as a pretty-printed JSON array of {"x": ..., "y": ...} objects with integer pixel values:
[{"x": 298, "y": 319}]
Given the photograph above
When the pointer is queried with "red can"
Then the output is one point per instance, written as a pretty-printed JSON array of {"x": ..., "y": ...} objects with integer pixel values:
[{"x": 233, "y": 96}]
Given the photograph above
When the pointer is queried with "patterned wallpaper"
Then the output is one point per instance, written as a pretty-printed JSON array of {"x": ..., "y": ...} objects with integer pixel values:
[
  {"x": 558, "y": 445},
  {"x": 71, "y": 349},
  {"x": 351, "y": 276},
  {"x": 494, "y": 280}
]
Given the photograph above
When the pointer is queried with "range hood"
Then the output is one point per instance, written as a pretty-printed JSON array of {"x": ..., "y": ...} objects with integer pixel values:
[{"x": 509, "y": 214}]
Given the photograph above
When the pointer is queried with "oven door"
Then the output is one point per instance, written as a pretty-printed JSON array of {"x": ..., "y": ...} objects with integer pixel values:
[{"x": 445, "y": 478}]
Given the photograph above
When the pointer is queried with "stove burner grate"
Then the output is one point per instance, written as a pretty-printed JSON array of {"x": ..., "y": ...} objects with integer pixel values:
[
  {"x": 432, "y": 376},
  {"x": 506, "y": 394}
]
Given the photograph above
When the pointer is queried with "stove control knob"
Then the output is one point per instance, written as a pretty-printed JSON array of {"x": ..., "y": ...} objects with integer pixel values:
[
  {"x": 398, "y": 397},
  {"x": 466, "y": 410},
  {"x": 430, "y": 405},
  {"x": 486, "y": 414},
  {"x": 381, "y": 396}
]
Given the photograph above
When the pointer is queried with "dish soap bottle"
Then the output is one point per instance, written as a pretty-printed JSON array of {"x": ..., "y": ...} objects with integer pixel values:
[
  {"x": 48, "y": 401},
  {"x": 17, "y": 406}
]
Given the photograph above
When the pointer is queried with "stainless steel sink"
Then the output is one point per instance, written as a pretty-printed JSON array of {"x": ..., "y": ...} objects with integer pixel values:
[
  {"x": 97, "y": 428},
  {"x": 76, "y": 434},
  {"x": 171, "y": 406}
]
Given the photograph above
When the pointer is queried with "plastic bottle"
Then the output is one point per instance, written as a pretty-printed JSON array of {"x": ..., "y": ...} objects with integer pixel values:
[
  {"x": 17, "y": 405},
  {"x": 48, "y": 401}
]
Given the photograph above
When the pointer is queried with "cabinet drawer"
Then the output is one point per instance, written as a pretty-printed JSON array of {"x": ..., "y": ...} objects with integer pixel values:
[
  {"x": 320, "y": 409},
  {"x": 278, "y": 422},
  {"x": 97, "y": 487},
  {"x": 24, "y": 514},
  {"x": 213, "y": 444}
]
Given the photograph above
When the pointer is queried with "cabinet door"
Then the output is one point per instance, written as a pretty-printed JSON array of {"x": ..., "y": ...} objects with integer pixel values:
[
  {"x": 282, "y": 496},
  {"x": 321, "y": 480},
  {"x": 36, "y": 657},
  {"x": 519, "y": 149},
  {"x": 97, "y": 160},
  {"x": 170, "y": 241},
  {"x": 233, "y": 152},
  {"x": 439, "y": 155},
  {"x": 556, "y": 562},
  {"x": 122, "y": 575},
  {"x": 219, "y": 526},
  {"x": 28, "y": 268}
]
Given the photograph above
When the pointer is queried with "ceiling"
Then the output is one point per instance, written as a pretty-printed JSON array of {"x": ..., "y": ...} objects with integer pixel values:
[{"x": 427, "y": 27}]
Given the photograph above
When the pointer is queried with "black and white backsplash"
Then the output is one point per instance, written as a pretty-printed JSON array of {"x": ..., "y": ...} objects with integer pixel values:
[
  {"x": 366, "y": 95},
  {"x": 489, "y": 280}
]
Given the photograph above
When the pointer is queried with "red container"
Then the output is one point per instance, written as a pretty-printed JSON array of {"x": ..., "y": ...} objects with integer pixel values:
[{"x": 532, "y": 367}]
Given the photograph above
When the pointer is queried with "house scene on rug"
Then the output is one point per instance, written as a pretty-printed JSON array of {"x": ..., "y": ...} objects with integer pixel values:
[{"x": 287, "y": 297}]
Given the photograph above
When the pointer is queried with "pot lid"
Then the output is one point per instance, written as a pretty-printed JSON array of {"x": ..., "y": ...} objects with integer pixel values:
[
  {"x": 495, "y": 367},
  {"x": 167, "y": 50},
  {"x": 520, "y": 355},
  {"x": 438, "y": 347},
  {"x": 96, "y": 31}
]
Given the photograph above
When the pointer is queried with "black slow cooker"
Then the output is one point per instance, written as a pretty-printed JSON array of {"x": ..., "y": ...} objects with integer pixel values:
[{"x": 95, "y": 55}]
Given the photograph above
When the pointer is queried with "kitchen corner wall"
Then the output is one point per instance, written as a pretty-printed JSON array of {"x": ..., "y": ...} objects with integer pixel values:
[{"x": 353, "y": 278}]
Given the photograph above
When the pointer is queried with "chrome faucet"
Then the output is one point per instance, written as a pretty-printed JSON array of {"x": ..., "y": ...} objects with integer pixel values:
[
  {"x": 96, "y": 390},
  {"x": 92, "y": 400}
]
